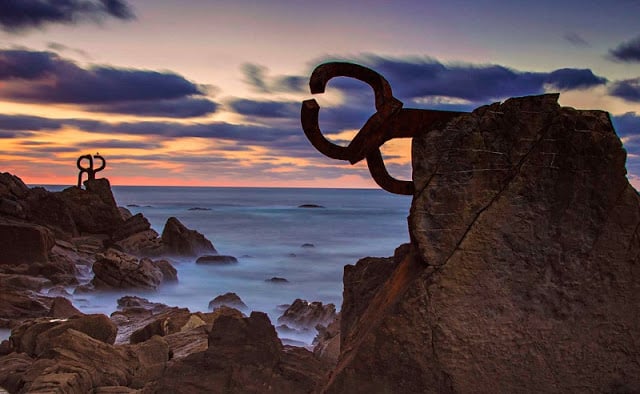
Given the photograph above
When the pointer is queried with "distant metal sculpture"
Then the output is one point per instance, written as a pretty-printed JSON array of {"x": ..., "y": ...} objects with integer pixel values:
[
  {"x": 91, "y": 172},
  {"x": 390, "y": 121}
]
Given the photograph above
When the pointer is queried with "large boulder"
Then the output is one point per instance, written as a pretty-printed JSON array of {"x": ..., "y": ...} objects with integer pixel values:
[
  {"x": 24, "y": 243},
  {"x": 231, "y": 300},
  {"x": 92, "y": 210},
  {"x": 181, "y": 241},
  {"x": 522, "y": 274},
  {"x": 119, "y": 270},
  {"x": 136, "y": 236}
]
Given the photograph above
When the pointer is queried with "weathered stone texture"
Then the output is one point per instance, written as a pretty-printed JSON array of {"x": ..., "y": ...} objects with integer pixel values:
[{"x": 526, "y": 276}]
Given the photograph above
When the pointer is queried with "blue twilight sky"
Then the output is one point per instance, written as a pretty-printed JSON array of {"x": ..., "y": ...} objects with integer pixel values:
[{"x": 198, "y": 92}]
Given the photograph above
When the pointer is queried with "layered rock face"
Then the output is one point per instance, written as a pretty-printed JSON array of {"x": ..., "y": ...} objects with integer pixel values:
[{"x": 523, "y": 274}]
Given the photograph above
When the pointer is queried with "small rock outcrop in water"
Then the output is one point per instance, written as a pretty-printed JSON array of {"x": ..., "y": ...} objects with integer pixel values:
[
  {"x": 307, "y": 315},
  {"x": 115, "y": 269},
  {"x": 179, "y": 240},
  {"x": 310, "y": 206},
  {"x": 523, "y": 275},
  {"x": 216, "y": 259},
  {"x": 231, "y": 300}
]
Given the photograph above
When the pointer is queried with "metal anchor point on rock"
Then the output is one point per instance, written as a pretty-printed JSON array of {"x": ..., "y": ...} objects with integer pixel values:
[
  {"x": 91, "y": 172},
  {"x": 389, "y": 121}
]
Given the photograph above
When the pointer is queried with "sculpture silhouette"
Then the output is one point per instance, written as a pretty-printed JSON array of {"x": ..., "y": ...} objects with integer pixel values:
[{"x": 91, "y": 172}]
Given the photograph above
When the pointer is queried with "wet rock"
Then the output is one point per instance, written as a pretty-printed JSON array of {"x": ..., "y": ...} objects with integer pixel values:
[
  {"x": 198, "y": 209},
  {"x": 28, "y": 282},
  {"x": 326, "y": 345},
  {"x": 307, "y": 315},
  {"x": 307, "y": 245},
  {"x": 21, "y": 304},
  {"x": 216, "y": 259},
  {"x": 62, "y": 308},
  {"x": 526, "y": 236},
  {"x": 75, "y": 362},
  {"x": 24, "y": 243},
  {"x": 35, "y": 336},
  {"x": 115, "y": 269},
  {"x": 231, "y": 300},
  {"x": 244, "y": 355},
  {"x": 169, "y": 273},
  {"x": 181, "y": 241},
  {"x": 310, "y": 206},
  {"x": 128, "y": 303}
]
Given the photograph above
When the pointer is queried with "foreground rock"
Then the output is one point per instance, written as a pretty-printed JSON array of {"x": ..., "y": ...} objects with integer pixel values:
[
  {"x": 244, "y": 355},
  {"x": 523, "y": 276}
]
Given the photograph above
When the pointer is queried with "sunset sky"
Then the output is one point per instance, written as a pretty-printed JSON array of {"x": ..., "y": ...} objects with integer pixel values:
[{"x": 204, "y": 92}]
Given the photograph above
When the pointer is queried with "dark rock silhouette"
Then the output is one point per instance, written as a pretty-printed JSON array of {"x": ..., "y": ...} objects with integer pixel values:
[
  {"x": 307, "y": 315},
  {"x": 216, "y": 259},
  {"x": 179, "y": 240},
  {"x": 521, "y": 274},
  {"x": 310, "y": 206},
  {"x": 231, "y": 300}
]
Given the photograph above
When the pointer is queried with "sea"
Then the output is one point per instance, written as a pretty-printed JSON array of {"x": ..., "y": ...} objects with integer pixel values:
[{"x": 271, "y": 236}]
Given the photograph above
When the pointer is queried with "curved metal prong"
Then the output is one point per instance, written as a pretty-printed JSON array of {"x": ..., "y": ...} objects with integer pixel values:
[
  {"x": 88, "y": 157},
  {"x": 382, "y": 177},
  {"x": 324, "y": 72},
  {"x": 104, "y": 163},
  {"x": 309, "y": 118}
]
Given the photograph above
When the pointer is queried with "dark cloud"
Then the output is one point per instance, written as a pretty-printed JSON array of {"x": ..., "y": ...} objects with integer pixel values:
[
  {"x": 265, "y": 109},
  {"x": 19, "y": 15},
  {"x": 627, "y": 51},
  {"x": 575, "y": 39},
  {"x": 412, "y": 78},
  {"x": 185, "y": 107},
  {"x": 28, "y": 123},
  {"x": 44, "y": 77},
  {"x": 256, "y": 77},
  {"x": 628, "y": 89}
]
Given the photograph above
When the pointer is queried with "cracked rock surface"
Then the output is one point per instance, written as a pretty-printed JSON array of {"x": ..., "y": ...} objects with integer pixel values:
[{"x": 523, "y": 274}]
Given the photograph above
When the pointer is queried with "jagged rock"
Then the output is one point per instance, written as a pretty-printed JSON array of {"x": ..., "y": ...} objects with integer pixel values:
[
  {"x": 125, "y": 213},
  {"x": 12, "y": 186},
  {"x": 216, "y": 259},
  {"x": 128, "y": 303},
  {"x": 102, "y": 188},
  {"x": 181, "y": 241},
  {"x": 169, "y": 273},
  {"x": 144, "y": 243},
  {"x": 307, "y": 315},
  {"x": 231, "y": 300},
  {"x": 244, "y": 355},
  {"x": 92, "y": 210},
  {"x": 35, "y": 336},
  {"x": 326, "y": 345},
  {"x": 17, "y": 281},
  {"x": 62, "y": 308},
  {"x": 12, "y": 367},
  {"x": 77, "y": 363},
  {"x": 523, "y": 273},
  {"x": 115, "y": 269},
  {"x": 52, "y": 210},
  {"x": 21, "y": 304},
  {"x": 24, "y": 243},
  {"x": 135, "y": 224}
]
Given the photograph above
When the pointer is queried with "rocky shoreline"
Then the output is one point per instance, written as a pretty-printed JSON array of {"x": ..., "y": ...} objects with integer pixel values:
[{"x": 79, "y": 239}]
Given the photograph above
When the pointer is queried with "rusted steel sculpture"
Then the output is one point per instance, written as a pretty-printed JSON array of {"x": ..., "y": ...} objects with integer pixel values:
[
  {"x": 390, "y": 121},
  {"x": 91, "y": 172}
]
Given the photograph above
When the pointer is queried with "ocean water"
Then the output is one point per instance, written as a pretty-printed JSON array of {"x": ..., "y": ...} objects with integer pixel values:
[{"x": 265, "y": 229}]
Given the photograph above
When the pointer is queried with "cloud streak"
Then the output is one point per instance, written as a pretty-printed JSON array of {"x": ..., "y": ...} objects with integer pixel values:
[
  {"x": 20, "y": 15},
  {"x": 628, "y": 51},
  {"x": 45, "y": 77}
]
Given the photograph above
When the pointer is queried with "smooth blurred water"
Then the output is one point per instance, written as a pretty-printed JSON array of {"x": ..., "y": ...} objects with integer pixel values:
[{"x": 265, "y": 229}]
